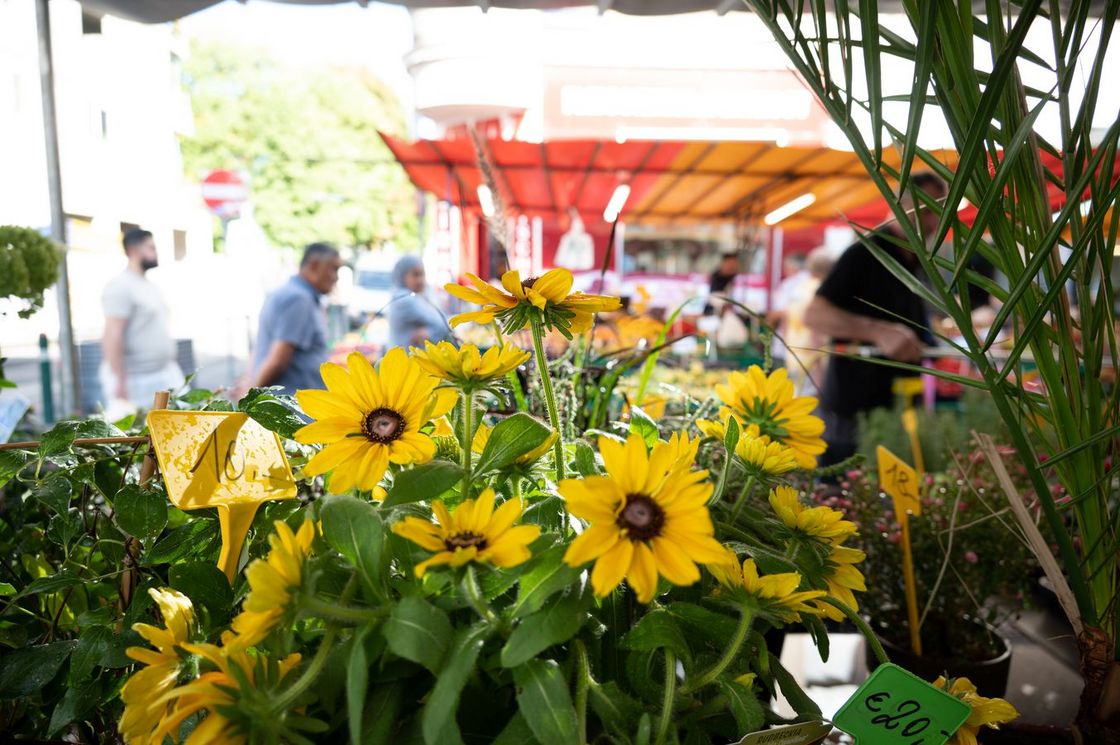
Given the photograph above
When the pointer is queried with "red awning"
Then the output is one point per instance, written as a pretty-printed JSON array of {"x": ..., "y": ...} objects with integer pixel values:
[{"x": 671, "y": 182}]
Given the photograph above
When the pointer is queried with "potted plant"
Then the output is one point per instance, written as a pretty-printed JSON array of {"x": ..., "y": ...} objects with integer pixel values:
[{"x": 970, "y": 579}]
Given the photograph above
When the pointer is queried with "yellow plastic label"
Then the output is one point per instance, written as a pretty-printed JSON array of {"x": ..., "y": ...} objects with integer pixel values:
[
  {"x": 900, "y": 481},
  {"x": 224, "y": 460}
]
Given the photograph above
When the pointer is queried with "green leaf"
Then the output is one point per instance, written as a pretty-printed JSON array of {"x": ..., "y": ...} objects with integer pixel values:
[
  {"x": 11, "y": 461},
  {"x": 512, "y": 437},
  {"x": 186, "y": 540},
  {"x": 544, "y": 701},
  {"x": 357, "y": 684},
  {"x": 271, "y": 413},
  {"x": 75, "y": 704},
  {"x": 353, "y": 528},
  {"x": 206, "y": 586},
  {"x": 53, "y": 583},
  {"x": 793, "y": 692},
  {"x": 382, "y": 714},
  {"x": 438, "y": 716},
  {"x": 548, "y": 575},
  {"x": 745, "y": 707},
  {"x": 6, "y": 589},
  {"x": 55, "y": 492},
  {"x": 615, "y": 709},
  {"x": 555, "y": 624},
  {"x": 731, "y": 435},
  {"x": 516, "y": 732},
  {"x": 426, "y": 481},
  {"x": 418, "y": 631},
  {"x": 93, "y": 645},
  {"x": 64, "y": 527},
  {"x": 657, "y": 630},
  {"x": 641, "y": 424},
  {"x": 585, "y": 464},
  {"x": 714, "y": 628},
  {"x": 58, "y": 439},
  {"x": 140, "y": 513},
  {"x": 25, "y": 671}
]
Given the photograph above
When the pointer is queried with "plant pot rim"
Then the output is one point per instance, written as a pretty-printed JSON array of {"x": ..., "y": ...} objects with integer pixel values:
[{"x": 997, "y": 660}]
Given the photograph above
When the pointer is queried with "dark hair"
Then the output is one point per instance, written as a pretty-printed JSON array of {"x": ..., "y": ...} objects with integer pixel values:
[
  {"x": 316, "y": 252},
  {"x": 930, "y": 183},
  {"x": 134, "y": 237}
]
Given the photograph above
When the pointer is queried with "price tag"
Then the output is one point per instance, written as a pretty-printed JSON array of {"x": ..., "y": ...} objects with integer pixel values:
[
  {"x": 900, "y": 481},
  {"x": 224, "y": 460},
  {"x": 806, "y": 733},
  {"x": 894, "y": 707}
]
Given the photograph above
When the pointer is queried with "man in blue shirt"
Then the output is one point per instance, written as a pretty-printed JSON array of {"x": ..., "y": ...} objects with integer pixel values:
[{"x": 292, "y": 337}]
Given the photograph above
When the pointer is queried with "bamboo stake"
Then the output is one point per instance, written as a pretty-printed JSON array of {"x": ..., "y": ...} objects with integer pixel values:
[
  {"x": 81, "y": 441},
  {"x": 131, "y": 577}
]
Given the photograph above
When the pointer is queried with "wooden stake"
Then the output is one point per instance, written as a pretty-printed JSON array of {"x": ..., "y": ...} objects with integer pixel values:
[{"x": 131, "y": 576}]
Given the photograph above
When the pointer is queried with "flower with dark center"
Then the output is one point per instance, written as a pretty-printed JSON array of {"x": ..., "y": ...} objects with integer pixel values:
[
  {"x": 383, "y": 425},
  {"x": 474, "y": 532},
  {"x": 551, "y": 292},
  {"x": 648, "y": 517},
  {"x": 368, "y": 418}
]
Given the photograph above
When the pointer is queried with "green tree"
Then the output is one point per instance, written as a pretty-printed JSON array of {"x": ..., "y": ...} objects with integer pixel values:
[{"x": 308, "y": 140}]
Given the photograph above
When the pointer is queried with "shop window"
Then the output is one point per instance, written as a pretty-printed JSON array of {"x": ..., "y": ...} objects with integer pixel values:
[{"x": 91, "y": 24}]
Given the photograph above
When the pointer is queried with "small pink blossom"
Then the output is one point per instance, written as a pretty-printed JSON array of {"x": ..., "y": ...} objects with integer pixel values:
[{"x": 971, "y": 557}]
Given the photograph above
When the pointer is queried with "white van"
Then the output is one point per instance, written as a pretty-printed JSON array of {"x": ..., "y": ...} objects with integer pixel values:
[{"x": 373, "y": 285}]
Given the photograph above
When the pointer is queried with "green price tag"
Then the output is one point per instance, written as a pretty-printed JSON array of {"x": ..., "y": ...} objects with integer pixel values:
[
  {"x": 806, "y": 733},
  {"x": 894, "y": 707}
]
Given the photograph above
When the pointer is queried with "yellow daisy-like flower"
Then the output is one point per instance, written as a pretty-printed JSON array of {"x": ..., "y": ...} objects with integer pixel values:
[
  {"x": 474, "y": 532},
  {"x": 272, "y": 582},
  {"x": 769, "y": 403},
  {"x": 819, "y": 522},
  {"x": 764, "y": 458},
  {"x": 550, "y": 293},
  {"x": 683, "y": 449},
  {"x": 986, "y": 712},
  {"x": 482, "y": 436},
  {"x": 443, "y": 428},
  {"x": 465, "y": 364},
  {"x": 368, "y": 418},
  {"x": 648, "y": 517},
  {"x": 775, "y": 596},
  {"x": 215, "y": 691},
  {"x": 842, "y": 579},
  {"x": 144, "y": 705}
]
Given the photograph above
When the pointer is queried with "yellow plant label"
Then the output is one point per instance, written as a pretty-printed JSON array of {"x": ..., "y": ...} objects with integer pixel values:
[
  {"x": 224, "y": 460},
  {"x": 898, "y": 479}
]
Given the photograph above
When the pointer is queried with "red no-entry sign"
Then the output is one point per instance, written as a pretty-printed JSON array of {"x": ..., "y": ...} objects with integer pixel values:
[{"x": 224, "y": 192}]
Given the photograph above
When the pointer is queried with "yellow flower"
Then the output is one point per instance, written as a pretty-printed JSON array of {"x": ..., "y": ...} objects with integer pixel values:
[
  {"x": 986, "y": 712},
  {"x": 465, "y": 364},
  {"x": 368, "y": 418},
  {"x": 648, "y": 517},
  {"x": 765, "y": 458},
  {"x": 768, "y": 402},
  {"x": 683, "y": 449},
  {"x": 443, "y": 428},
  {"x": 482, "y": 436},
  {"x": 842, "y": 579},
  {"x": 144, "y": 706},
  {"x": 775, "y": 596},
  {"x": 551, "y": 293},
  {"x": 474, "y": 532},
  {"x": 214, "y": 692},
  {"x": 272, "y": 582},
  {"x": 817, "y": 522}
]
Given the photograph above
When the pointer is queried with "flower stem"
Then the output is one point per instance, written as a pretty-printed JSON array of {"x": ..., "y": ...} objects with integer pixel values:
[
  {"x": 336, "y": 612},
  {"x": 549, "y": 396},
  {"x": 721, "y": 485},
  {"x": 583, "y": 682},
  {"x": 667, "y": 699},
  {"x": 474, "y": 597},
  {"x": 868, "y": 634},
  {"x": 742, "y": 500},
  {"x": 746, "y": 617},
  {"x": 468, "y": 437}
]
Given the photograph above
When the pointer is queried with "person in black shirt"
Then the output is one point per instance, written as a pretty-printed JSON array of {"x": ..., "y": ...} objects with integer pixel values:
[{"x": 861, "y": 301}]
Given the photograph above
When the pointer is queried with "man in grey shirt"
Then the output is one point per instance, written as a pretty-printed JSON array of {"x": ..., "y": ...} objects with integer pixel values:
[
  {"x": 292, "y": 337},
  {"x": 137, "y": 349}
]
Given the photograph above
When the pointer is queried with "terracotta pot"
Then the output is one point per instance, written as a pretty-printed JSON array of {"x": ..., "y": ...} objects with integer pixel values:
[{"x": 989, "y": 676}]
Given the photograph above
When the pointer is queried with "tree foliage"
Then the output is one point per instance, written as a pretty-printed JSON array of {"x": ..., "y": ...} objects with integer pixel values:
[{"x": 308, "y": 140}]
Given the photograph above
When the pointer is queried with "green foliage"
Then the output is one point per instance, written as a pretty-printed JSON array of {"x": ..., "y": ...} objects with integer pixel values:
[
  {"x": 308, "y": 141},
  {"x": 28, "y": 266}
]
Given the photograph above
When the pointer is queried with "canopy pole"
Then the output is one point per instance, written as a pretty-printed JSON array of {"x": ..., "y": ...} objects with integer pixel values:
[{"x": 70, "y": 400}]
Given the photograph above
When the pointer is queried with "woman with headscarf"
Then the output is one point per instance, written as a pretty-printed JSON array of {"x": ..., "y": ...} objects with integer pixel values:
[{"x": 413, "y": 317}]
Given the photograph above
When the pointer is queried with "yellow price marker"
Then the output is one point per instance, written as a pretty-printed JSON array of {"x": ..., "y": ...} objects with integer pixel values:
[
  {"x": 900, "y": 482},
  {"x": 224, "y": 460}
]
